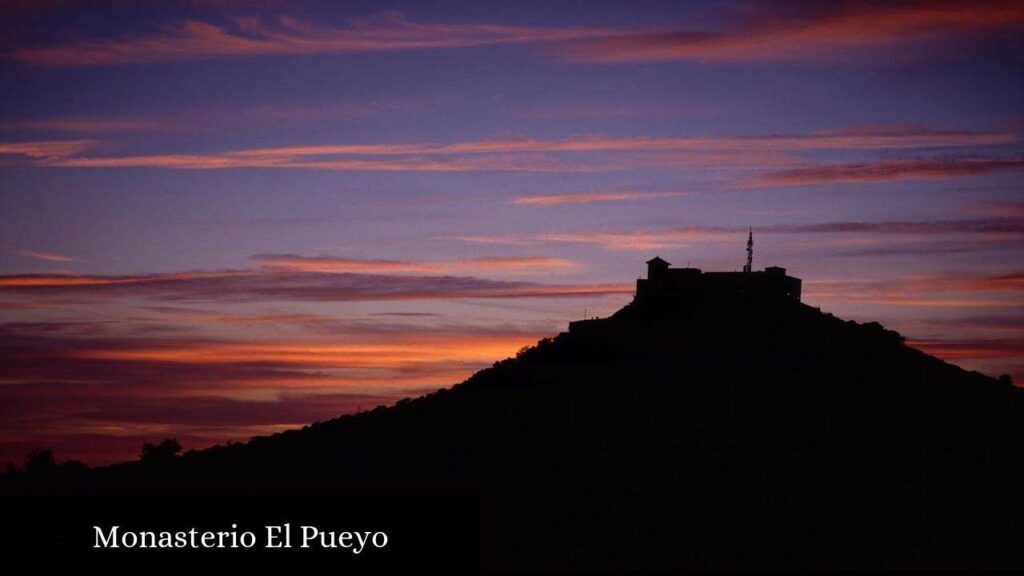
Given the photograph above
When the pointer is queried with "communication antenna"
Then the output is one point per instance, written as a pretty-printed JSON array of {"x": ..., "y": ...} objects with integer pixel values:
[{"x": 750, "y": 251}]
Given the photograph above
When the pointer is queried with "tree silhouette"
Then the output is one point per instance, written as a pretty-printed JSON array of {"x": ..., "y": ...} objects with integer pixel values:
[
  {"x": 40, "y": 460},
  {"x": 163, "y": 451}
]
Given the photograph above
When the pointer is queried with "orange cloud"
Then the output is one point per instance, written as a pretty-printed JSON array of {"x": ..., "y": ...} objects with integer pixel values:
[
  {"x": 475, "y": 348},
  {"x": 214, "y": 389},
  {"x": 823, "y": 34}
]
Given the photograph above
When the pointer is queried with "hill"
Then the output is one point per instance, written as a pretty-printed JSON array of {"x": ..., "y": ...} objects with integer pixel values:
[{"x": 727, "y": 435}]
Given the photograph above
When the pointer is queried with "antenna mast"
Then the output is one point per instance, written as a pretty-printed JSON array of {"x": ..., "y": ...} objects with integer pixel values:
[{"x": 750, "y": 251}]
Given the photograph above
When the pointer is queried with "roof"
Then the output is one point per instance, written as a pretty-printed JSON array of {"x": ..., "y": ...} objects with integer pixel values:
[{"x": 657, "y": 260}]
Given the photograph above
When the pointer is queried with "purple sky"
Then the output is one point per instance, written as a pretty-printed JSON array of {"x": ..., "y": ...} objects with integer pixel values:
[{"x": 220, "y": 220}]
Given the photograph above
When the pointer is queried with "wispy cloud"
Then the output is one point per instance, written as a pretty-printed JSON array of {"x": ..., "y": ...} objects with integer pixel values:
[
  {"x": 89, "y": 125},
  {"x": 1011, "y": 282},
  {"x": 647, "y": 239},
  {"x": 1001, "y": 209},
  {"x": 755, "y": 34},
  {"x": 993, "y": 225},
  {"x": 588, "y": 198},
  {"x": 576, "y": 110},
  {"x": 958, "y": 349},
  {"x": 575, "y": 154},
  {"x": 249, "y": 37},
  {"x": 295, "y": 285},
  {"x": 209, "y": 117},
  {"x": 988, "y": 325},
  {"x": 823, "y": 33},
  {"x": 474, "y": 348},
  {"x": 521, "y": 264},
  {"x": 888, "y": 170},
  {"x": 939, "y": 290},
  {"x": 909, "y": 245},
  {"x": 642, "y": 239},
  {"x": 492, "y": 163},
  {"x": 80, "y": 388},
  {"x": 831, "y": 140},
  {"x": 1002, "y": 229},
  {"x": 30, "y": 281},
  {"x": 46, "y": 150},
  {"x": 48, "y": 256}
]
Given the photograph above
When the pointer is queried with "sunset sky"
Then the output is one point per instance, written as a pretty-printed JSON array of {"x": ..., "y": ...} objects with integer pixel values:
[{"x": 223, "y": 219}]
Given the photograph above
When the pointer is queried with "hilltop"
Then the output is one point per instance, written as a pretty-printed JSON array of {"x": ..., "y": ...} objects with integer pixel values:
[{"x": 737, "y": 433}]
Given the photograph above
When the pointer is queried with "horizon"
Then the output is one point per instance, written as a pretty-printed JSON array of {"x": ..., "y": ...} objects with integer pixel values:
[{"x": 226, "y": 220}]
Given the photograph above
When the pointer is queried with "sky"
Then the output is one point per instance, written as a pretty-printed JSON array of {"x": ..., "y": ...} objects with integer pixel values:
[{"x": 225, "y": 219}]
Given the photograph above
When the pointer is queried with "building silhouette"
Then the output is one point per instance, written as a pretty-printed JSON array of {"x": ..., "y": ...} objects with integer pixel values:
[
  {"x": 666, "y": 283},
  {"x": 671, "y": 290}
]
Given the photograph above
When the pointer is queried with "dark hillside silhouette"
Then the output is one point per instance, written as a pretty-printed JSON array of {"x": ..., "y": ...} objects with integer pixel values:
[{"x": 718, "y": 433}]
